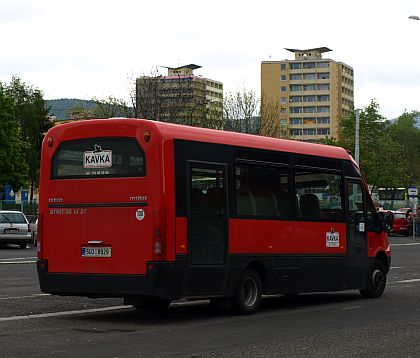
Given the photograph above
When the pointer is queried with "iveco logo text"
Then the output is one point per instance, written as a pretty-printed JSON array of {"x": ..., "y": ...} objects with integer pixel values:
[{"x": 55, "y": 200}]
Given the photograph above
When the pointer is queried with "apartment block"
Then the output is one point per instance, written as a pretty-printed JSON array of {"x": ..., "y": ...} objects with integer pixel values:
[
  {"x": 179, "y": 97},
  {"x": 314, "y": 93}
]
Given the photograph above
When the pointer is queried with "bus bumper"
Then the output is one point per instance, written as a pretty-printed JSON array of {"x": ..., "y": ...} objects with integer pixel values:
[{"x": 163, "y": 280}]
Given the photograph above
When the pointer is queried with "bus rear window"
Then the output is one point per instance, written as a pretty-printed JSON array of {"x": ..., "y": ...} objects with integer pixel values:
[{"x": 98, "y": 158}]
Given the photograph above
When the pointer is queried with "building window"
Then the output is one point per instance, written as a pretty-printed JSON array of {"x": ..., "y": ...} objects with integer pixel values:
[
  {"x": 308, "y": 65},
  {"x": 309, "y": 121},
  {"x": 323, "y": 120},
  {"x": 323, "y": 109},
  {"x": 295, "y": 77},
  {"x": 323, "y": 65},
  {"x": 295, "y": 99},
  {"x": 283, "y": 111},
  {"x": 283, "y": 77},
  {"x": 295, "y": 66},
  {"x": 295, "y": 109},
  {"x": 323, "y": 87},
  {"x": 309, "y": 98},
  {"x": 283, "y": 66},
  {"x": 309, "y": 76},
  {"x": 324, "y": 76},
  {"x": 296, "y": 132},
  {"x": 296, "y": 121},
  {"x": 283, "y": 100},
  {"x": 324, "y": 98},
  {"x": 283, "y": 88},
  {"x": 309, "y": 87},
  {"x": 309, "y": 131},
  {"x": 323, "y": 131},
  {"x": 295, "y": 88},
  {"x": 310, "y": 109}
]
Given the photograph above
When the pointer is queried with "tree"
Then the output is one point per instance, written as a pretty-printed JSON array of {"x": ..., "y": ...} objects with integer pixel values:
[
  {"x": 382, "y": 159},
  {"x": 112, "y": 107},
  {"x": 404, "y": 132},
  {"x": 32, "y": 121},
  {"x": 244, "y": 112},
  {"x": 13, "y": 167}
]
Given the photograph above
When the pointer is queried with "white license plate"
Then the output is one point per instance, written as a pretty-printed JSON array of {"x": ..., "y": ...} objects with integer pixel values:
[
  {"x": 11, "y": 231},
  {"x": 96, "y": 251}
]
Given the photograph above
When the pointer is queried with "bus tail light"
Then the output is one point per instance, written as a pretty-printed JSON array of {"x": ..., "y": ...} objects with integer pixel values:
[
  {"x": 159, "y": 234},
  {"x": 40, "y": 230}
]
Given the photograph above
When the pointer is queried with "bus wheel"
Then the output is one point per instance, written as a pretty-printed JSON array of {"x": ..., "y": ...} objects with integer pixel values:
[
  {"x": 159, "y": 304},
  {"x": 376, "y": 281},
  {"x": 248, "y": 293},
  {"x": 23, "y": 246}
]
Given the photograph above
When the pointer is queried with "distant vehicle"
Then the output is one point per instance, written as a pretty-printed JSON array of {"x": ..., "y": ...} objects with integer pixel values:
[
  {"x": 14, "y": 228},
  {"x": 400, "y": 224}
]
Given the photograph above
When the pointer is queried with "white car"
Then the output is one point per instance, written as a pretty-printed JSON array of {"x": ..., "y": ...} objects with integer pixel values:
[{"x": 14, "y": 228}]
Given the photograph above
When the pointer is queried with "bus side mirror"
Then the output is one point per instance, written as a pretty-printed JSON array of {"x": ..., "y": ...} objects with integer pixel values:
[
  {"x": 388, "y": 222},
  {"x": 378, "y": 222}
]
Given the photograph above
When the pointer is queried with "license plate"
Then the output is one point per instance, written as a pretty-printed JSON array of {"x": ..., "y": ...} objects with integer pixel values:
[
  {"x": 11, "y": 231},
  {"x": 96, "y": 252}
]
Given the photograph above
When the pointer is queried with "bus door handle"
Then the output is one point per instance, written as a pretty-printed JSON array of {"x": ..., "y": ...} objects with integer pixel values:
[{"x": 95, "y": 242}]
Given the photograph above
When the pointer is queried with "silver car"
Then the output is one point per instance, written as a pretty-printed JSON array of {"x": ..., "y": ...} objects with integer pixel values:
[{"x": 14, "y": 228}]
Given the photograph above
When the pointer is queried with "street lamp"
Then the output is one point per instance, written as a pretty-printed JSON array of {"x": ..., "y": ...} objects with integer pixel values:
[
  {"x": 414, "y": 197},
  {"x": 356, "y": 140}
]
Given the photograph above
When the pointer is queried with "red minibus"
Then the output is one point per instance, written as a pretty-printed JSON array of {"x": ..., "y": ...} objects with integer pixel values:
[{"x": 154, "y": 212}]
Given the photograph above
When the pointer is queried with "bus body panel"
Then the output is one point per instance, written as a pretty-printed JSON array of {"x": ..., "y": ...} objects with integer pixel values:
[
  {"x": 285, "y": 237},
  {"x": 119, "y": 213}
]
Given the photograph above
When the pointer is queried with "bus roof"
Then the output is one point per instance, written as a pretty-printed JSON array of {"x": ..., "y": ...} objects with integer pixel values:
[{"x": 177, "y": 131}]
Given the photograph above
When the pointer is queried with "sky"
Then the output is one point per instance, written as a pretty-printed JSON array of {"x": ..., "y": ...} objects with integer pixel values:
[{"x": 95, "y": 48}]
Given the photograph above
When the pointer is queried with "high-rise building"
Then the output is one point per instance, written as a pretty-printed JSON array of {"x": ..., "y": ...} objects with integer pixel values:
[
  {"x": 179, "y": 97},
  {"x": 314, "y": 93}
]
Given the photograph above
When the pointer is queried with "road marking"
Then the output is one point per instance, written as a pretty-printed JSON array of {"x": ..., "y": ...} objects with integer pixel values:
[
  {"x": 409, "y": 244},
  {"x": 29, "y": 296},
  {"x": 18, "y": 260},
  {"x": 64, "y": 313},
  {"x": 408, "y": 281}
]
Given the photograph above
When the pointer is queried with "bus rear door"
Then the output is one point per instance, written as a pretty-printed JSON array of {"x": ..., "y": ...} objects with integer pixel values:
[{"x": 98, "y": 219}]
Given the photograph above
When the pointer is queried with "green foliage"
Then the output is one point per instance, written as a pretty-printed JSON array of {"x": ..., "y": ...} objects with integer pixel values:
[
  {"x": 384, "y": 148},
  {"x": 13, "y": 167},
  {"x": 31, "y": 118}
]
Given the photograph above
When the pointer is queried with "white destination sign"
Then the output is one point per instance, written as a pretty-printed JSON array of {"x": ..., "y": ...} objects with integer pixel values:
[{"x": 97, "y": 158}]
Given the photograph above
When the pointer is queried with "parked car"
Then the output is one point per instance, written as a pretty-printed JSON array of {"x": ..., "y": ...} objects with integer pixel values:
[
  {"x": 33, "y": 224},
  {"x": 14, "y": 228},
  {"x": 401, "y": 224}
]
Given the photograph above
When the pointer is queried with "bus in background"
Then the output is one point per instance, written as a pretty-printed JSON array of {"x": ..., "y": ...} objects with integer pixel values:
[
  {"x": 393, "y": 198},
  {"x": 154, "y": 212}
]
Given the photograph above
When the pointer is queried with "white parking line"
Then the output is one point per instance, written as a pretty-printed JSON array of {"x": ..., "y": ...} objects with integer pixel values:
[
  {"x": 29, "y": 296},
  {"x": 64, "y": 313},
  {"x": 407, "y": 244},
  {"x": 408, "y": 281}
]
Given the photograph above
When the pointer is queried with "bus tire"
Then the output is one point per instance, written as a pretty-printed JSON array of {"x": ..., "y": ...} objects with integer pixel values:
[
  {"x": 376, "y": 280},
  {"x": 248, "y": 293}
]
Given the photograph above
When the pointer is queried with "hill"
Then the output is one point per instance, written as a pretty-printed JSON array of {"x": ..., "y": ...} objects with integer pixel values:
[{"x": 61, "y": 108}]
